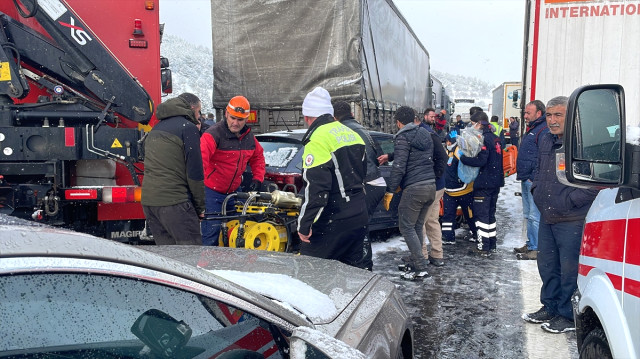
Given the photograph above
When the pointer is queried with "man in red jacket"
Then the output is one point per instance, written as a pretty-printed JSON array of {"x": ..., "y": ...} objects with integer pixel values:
[{"x": 226, "y": 148}]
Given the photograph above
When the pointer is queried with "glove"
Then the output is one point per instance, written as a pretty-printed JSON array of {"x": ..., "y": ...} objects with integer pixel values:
[
  {"x": 460, "y": 153},
  {"x": 255, "y": 186},
  {"x": 386, "y": 200}
]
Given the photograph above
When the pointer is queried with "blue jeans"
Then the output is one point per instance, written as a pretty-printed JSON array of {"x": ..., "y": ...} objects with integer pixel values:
[
  {"x": 558, "y": 255},
  {"x": 412, "y": 213},
  {"x": 211, "y": 227},
  {"x": 531, "y": 213}
]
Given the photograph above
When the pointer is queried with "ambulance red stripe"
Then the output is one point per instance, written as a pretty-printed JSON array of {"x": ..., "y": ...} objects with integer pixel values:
[
  {"x": 610, "y": 249},
  {"x": 633, "y": 242}
]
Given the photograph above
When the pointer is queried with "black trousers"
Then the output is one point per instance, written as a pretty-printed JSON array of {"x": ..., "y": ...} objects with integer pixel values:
[
  {"x": 373, "y": 197},
  {"x": 344, "y": 245},
  {"x": 484, "y": 209},
  {"x": 176, "y": 224}
]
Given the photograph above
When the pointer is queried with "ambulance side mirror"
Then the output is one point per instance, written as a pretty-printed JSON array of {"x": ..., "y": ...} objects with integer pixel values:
[{"x": 593, "y": 151}]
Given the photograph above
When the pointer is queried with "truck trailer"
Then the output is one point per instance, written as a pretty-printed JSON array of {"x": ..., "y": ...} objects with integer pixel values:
[
  {"x": 77, "y": 93},
  {"x": 461, "y": 106},
  {"x": 441, "y": 98},
  {"x": 505, "y": 103},
  {"x": 275, "y": 52},
  {"x": 588, "y": 50}
]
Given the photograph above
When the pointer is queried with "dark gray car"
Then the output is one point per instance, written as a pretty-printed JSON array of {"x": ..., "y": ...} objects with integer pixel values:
[{"x": 67, "y": 294}]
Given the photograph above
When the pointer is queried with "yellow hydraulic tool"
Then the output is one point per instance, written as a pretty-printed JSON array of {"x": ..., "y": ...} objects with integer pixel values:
[{"x": 269, "y": 232}]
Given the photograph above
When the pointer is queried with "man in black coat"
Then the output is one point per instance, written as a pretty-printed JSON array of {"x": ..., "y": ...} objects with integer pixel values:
[
  {"x": 374, "y": 183},
  {"x": 563, "y": 210},
  {"x": 412, "y": 171}
]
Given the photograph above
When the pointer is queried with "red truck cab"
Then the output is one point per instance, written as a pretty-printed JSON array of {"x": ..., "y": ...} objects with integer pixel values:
[{"x": 79, "y": 83}]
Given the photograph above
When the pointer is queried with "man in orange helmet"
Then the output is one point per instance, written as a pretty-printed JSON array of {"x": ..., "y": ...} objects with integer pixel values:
[{"x": 226, "y": 148}]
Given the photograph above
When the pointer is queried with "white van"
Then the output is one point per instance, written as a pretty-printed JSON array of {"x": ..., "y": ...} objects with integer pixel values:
[{"x": 600, "y": 151}]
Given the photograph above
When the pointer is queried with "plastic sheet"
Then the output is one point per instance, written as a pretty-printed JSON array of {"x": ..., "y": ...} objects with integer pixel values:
[{"x": 470, "y": 141}]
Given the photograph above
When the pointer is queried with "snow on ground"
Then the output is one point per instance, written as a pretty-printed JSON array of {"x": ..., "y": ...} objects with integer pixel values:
[
  {"x": 512, "y": 231},
  {"x": 458, "y": 313}
]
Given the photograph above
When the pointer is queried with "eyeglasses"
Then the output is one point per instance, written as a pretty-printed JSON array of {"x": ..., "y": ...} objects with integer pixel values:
[{"x": 239, "y": 110}]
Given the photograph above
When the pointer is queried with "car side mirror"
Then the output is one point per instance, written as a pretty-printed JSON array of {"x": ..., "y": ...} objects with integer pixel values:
[
  {"x": 593, "y": 151},
  {"x": 164, "y": 335},
  {"x": 167, "y": 81},
  {"x": 311, "y": 343}
]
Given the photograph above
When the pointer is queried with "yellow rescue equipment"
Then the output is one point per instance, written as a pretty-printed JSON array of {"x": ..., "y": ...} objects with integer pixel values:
[{"x": 265, "y": 222}]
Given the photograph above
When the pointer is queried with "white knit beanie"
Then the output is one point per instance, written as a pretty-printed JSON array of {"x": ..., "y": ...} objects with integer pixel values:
[{"x": 317, "y": 103}]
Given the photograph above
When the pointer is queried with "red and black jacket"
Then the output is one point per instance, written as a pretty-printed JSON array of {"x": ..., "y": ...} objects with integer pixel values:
[{"x": 225, "y": 157}]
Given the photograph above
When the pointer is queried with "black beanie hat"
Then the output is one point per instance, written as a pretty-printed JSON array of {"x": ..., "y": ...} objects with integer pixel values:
[{"x": 481, "y": 117}]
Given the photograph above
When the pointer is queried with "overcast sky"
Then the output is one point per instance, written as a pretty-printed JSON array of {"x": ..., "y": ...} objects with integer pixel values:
[{"x": 478, "y": 38}]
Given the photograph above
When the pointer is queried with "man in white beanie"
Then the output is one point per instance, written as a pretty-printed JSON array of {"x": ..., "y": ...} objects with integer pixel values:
[{"x": 333, "y": 217}]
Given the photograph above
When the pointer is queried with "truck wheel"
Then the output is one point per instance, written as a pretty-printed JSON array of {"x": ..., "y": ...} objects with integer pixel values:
[{"x": 595, "y": 346}]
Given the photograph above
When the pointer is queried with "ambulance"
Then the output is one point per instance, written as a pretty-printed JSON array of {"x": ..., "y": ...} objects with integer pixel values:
[
  {"x": 573, "y": 44},
  {"x": 601, "y": 151}
]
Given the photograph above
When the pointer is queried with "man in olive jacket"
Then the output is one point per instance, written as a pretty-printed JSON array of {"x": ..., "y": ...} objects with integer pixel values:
[{"x": 173, "y": 186}]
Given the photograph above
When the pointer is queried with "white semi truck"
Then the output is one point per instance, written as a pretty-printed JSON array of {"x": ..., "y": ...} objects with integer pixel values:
[{"x": 506, "y": 103}]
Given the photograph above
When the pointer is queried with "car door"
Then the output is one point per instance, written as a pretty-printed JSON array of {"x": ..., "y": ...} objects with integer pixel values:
[
  {"x": 118, "y": 311},
  {"x": 382, "y": 219}
]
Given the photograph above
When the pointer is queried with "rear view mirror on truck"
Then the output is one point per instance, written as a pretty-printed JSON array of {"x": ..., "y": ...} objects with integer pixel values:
[{"x": 594, "y": 139}]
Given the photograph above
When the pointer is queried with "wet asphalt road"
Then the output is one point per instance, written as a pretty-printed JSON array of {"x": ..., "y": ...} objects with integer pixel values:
[{"x": 472, "y": 306}]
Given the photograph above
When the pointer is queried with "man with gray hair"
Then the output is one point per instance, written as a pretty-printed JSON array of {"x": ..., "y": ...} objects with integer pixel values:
[{"x": 563, "y": 209}]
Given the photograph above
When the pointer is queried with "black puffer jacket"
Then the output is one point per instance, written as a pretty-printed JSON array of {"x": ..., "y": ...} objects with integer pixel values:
[{"x": 412, "y": 157}]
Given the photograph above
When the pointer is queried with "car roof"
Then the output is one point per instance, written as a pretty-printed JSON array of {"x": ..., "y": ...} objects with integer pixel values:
[{"x": 296, "y": 134}]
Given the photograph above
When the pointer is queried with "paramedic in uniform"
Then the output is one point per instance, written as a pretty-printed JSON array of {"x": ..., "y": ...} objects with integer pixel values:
[{"x": 333, "y": 220}]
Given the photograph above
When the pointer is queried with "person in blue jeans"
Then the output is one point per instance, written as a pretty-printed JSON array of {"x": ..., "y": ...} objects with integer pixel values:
[
  {"x": 227, "y": 147},
  {"x": 527, "y": 166}
]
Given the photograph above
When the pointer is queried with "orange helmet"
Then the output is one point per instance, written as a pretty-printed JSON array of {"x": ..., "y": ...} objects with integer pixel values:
[{"x": 239, "y": 107}]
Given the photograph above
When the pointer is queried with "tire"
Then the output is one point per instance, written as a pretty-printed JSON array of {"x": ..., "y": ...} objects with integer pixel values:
[{"x": 595, "y": 346}]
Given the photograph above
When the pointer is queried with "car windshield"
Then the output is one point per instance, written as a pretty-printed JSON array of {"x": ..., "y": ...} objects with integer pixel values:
[{"x": 280, "y": 154}]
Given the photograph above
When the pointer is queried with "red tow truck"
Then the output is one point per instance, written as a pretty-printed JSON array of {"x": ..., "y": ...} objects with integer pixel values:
[{"x": 79, "y": 81}]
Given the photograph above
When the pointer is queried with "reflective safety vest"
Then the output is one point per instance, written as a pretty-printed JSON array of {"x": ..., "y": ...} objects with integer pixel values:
[{"x": 497, "y": 128}]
